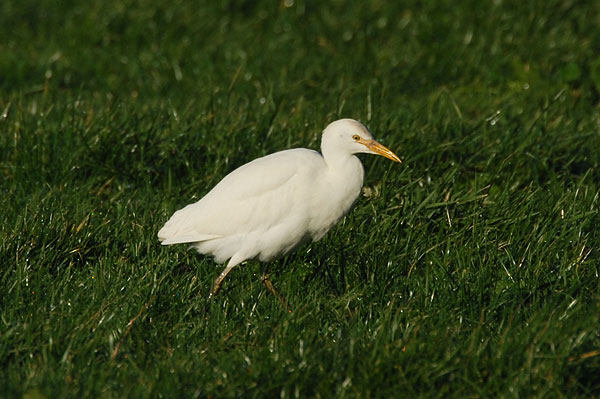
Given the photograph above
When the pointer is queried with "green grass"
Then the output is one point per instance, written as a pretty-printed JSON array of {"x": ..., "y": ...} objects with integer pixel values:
[{"x": 472, "y": 270}]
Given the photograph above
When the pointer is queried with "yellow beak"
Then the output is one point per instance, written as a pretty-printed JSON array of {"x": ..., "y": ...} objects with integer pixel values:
[{"x": 380, "y": 149}]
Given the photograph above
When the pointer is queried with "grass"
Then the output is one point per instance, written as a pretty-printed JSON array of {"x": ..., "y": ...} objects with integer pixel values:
[{"x": 472, "y": 270}]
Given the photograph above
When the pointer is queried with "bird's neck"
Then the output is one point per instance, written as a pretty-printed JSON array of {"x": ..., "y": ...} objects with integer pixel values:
[
  {"x": 332, "y": 154},
  {"x": 345, "y": 169},
  {"x": 343, "y": 164}
]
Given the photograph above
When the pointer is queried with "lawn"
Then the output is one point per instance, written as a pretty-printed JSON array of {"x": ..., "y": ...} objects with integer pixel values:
[{"x": 471, "y": 270}]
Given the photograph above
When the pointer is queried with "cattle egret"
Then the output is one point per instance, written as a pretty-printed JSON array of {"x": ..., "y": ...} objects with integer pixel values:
[{"x": 266, "y": 208}]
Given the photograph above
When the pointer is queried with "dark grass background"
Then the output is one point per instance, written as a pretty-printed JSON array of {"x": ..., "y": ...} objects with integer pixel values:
[{"x": 472, "y": 270}]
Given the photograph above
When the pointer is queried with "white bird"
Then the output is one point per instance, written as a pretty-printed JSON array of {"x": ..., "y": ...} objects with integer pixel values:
[{"x": 268, "y": 207}]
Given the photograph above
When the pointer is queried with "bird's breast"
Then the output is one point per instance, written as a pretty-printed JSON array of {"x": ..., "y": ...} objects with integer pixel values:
[{"x": 334, "y": 195}]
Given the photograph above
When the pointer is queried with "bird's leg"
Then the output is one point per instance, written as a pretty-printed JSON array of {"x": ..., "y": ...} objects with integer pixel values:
[
  {"x": 219, "y": 280},
  {"x": 233, "y": 262},
  {"x": 267, "y": 282}
]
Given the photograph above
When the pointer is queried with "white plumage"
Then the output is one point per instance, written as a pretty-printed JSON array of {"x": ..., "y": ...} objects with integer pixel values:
[{"x": 266, "y": 208}]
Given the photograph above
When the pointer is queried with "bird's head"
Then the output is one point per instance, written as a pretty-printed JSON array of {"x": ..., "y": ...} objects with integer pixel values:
[{"x": 352, "y": 137}]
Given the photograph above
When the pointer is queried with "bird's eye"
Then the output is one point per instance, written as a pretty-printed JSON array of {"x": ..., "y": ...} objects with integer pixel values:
[{"x": 356, "y": 137}]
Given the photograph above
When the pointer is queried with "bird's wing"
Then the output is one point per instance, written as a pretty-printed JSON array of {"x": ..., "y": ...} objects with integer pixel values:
[{"x": 254, "y": 197}]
